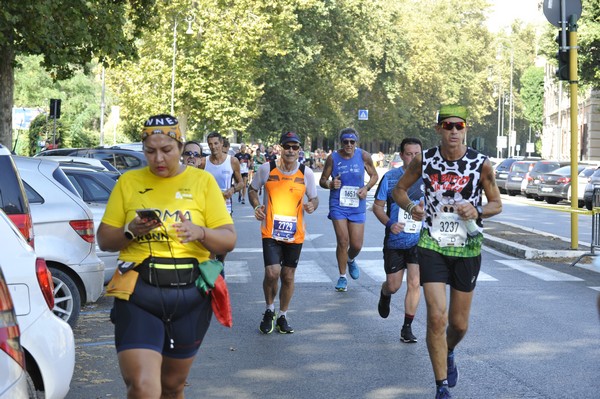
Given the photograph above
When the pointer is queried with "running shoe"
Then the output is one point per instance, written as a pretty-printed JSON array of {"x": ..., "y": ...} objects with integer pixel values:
[
  {"x": 283, "y": 327},
  {"x": 268, "y": 322},
  {"x": 406, "y": 335},
  {"x": 342, "y": 284},
  {"x": 243, "y": 202},
  {"x": 442, "y": 393},
  {"x": 384, "y": 305},
  {"x": 353, "y": 270},
  {"x": 452, "y": 371}
]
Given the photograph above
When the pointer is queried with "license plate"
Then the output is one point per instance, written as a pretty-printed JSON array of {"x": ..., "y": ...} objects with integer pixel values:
[
  {"x": 502, "y": 175},
  {"x": 546, "y": 189}
]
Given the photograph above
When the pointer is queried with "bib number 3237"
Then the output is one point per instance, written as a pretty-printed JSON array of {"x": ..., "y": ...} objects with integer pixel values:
[{"x": 449, "y": 230}]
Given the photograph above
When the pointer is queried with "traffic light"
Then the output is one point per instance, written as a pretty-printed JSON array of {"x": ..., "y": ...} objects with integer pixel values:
[{"x": 562, "y": 72}]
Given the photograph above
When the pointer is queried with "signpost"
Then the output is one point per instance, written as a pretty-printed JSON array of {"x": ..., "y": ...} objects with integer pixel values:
[
  {"x": 564, "y": 14},
  {"x": 363, "y": 114}
]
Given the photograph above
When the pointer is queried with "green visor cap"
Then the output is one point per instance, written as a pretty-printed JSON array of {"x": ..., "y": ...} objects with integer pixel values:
[{"x": 449, "y": 111}]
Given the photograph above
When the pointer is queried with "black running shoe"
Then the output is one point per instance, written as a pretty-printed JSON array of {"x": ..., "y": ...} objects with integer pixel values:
[
  {"x": 268, "y": 322},
  {"x": 384, "y": 305},
  {"x": 283, "y": 327},
  {"x": 407, "y": 336}
]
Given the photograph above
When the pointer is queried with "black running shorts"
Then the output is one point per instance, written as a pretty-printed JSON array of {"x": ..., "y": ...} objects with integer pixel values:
[
  {"x": 280, "y": 253},
  {"x": 395, "y": 260},
  {"x": 460, "y": 273},
  {"x": 139, "y": 322}
]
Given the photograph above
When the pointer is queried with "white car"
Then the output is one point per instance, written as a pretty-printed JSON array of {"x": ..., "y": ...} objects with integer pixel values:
[
  {"x": 14, "y": 383},
  {"x": 64, "y": 235},
  {"x": 47, "y": 340}
]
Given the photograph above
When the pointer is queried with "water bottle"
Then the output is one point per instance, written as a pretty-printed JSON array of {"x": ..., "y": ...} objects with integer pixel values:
[{"x": 472, "y": 229}]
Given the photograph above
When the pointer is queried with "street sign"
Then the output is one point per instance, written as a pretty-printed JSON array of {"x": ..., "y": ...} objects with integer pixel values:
[
  {"x": 552, "y": 10},
  {"x": 501, "y": 142},
  {"x": 363, "y": 114},
  {"x": 22, "y": 117}
]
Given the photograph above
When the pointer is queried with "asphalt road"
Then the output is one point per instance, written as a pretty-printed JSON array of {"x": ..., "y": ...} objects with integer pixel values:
[{"x": 534, "y": 332}]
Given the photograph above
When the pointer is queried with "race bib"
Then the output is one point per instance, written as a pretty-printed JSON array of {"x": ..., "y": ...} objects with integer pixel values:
[
  {"x": 349, "y": 196},
  {"x": 284, "y": 227},
  {"x": 410, "y": 225},
  {"x": 449, "y": 230}
]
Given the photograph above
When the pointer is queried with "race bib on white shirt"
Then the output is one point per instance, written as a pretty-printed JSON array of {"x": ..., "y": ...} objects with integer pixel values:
[
  {"x": 449, "y": 230},
  {"x": 410, "y": 225},
  {"x": 349, "y": 196},
  {"x": 284, "y": 227}
]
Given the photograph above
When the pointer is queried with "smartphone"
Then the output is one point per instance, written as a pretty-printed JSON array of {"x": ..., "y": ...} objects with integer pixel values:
[{"x": 149, "y": 214}]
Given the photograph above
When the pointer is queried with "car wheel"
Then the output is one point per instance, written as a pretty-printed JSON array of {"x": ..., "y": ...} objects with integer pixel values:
[
  {"x": 67, "y": 301},
  {"x": 502, "y": 191},
  {"x": 580, "y": 204},
  {"x": 528, "y": 195},
  {"x": 552, "y": 200},
  {"x": 512, "y": 193},
  {"x": 538, "y": 198},
  {"x": 31, "y": 392}
]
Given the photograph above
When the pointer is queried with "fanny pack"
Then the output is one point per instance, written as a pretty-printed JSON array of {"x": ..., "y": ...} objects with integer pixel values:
[{"x": 169, "y": 272}]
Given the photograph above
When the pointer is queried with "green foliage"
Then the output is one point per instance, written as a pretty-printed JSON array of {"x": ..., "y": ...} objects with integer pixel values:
[
  {"x": 532, "y": 95},
  {"x": 589, "y": 43}
]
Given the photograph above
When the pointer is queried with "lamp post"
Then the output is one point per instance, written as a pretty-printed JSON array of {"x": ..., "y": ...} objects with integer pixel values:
[{"x": 189, "y": 19}]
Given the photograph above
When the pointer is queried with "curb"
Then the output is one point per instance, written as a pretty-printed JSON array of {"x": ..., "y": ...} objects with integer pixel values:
[{"x": 525, "y": 252}]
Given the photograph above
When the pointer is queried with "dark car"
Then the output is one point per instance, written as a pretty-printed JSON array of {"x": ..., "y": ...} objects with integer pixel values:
[
  {"x": 93, "y": 186},
  {"x": 121, "y": 158},
  {"x": 588, "y": 194},
  {"x": 556, "y": 185},
  {"x": 517, "y": 176},
  {"x": 501, "y": 172},
  {"x": 533, "y": 181}
]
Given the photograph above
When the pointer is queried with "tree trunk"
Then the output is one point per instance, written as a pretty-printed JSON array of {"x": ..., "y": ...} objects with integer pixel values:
[{"x": 7, "y": 80}]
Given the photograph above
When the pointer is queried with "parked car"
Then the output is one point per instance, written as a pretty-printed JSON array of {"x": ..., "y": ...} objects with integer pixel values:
[
  {"x": 540, "y": 167},
  {"x": 556, "y": 185},
  {"x": 588, "y": 192},
  {"x": 64, "y": 235},
  {"x": 91, "y": 163},
  {"x": 517, "y": 174},
  {"x": 120, "y": 158},
  {"x": 15, "y": 383},
  {"x": 501, "y": 172},
  {"x": 582, "y": 180},
  {"x": 95, "y": 188},
  {"x": 47, "y": 341},
  {"x": 12, "y": 196}
]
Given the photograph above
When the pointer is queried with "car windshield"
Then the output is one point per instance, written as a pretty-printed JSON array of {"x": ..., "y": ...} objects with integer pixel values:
[
  {"x": 520, "y": 167},
  {"x": 545, "y": 167}
]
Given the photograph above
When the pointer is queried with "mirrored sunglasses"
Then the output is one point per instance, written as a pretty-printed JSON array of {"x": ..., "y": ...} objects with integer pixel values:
[
  {"x": 452, "y": 125},
  {"x": 346, "y": 142},
  {"x": 294, "y": 147},
  {"x": 194, "y": 154}
]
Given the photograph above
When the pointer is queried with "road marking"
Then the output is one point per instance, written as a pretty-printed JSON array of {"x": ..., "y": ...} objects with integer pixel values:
[
  {"x": 237, "y": 271},
  {"x": 537, "y": 271},
  {"x": 595, "y": 288},
  {"x": 309, "y": 271}
]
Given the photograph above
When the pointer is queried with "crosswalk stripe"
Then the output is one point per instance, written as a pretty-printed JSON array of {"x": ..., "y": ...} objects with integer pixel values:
[
  {"x": 483, "y": 276},
  {"x": 237, "y": 271},
  {"x": 537, "y": 271},
  {"x": 308, "y": 271}
]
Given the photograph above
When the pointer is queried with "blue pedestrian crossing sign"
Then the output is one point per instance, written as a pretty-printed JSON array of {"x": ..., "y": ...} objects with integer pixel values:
[{"x": 363, "y": 114}]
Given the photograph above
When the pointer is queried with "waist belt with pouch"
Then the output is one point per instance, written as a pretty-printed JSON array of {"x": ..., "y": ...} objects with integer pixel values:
[{"x": 169, "y": 272}]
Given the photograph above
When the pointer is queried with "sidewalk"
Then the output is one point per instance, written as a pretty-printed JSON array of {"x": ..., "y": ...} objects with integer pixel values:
[{"x": 523, "y": 243}]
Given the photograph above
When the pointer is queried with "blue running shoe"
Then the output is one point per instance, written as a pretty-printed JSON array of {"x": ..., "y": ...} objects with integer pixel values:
[
  {"x": 353, "y": 270},
  {"x": 452, "y": 371},
  {"x": 342, "y": 285},
  {"x": 442, "y": 393}
]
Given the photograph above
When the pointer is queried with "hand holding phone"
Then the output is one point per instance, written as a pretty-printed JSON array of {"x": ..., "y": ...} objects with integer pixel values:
[{"x": 148, "y": 214}]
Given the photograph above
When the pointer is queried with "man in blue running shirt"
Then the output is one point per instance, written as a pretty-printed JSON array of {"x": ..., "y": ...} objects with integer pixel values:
[{"x": 400, "y": 242}]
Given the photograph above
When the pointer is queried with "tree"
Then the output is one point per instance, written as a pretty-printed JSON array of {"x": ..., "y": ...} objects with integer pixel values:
[
  {"x": 589, "y": 42},
  {"x": 66, "y": 34}
]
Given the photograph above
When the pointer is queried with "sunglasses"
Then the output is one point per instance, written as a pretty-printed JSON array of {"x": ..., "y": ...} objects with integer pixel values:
[
  {"x": 294, "y": 147},
  {"x": 192, "y": 154},
  {"x": 346, "y": 142},
  {"x": 452, "y": 125}
]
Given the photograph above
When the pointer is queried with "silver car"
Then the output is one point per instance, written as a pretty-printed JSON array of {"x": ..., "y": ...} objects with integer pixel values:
[{"x": 64, "y": 235}]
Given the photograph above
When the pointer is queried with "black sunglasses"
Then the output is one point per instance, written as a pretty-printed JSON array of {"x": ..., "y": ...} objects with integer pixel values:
[
  {"x": 346, "y": 142},
  {"x": 452, "y": 125},
  {"x": 192, "y": 154},
  {"x": 294, "y": 147}
]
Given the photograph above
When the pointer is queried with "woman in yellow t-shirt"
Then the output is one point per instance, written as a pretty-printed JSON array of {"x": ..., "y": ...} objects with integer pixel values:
[{"x": 160, "y": 316}]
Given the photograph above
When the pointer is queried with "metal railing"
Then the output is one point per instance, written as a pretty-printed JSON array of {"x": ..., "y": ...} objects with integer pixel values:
[{"x": 595, "y": 243}]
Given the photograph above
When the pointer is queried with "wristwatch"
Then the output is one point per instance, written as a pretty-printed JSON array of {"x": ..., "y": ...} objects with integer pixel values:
[
  {"x": 128, "y": 234},
  {"x": 479, "y": 211}
]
